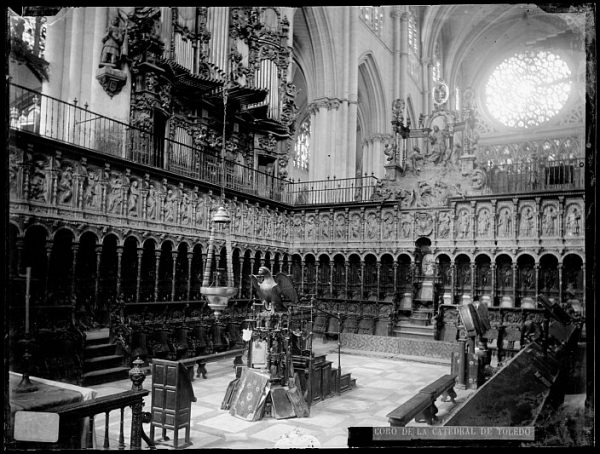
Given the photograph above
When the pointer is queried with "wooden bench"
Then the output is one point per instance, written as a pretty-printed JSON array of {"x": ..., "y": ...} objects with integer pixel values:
[
  {"x": 421, "y": 406},
  {"x": 203, "y": 359}
]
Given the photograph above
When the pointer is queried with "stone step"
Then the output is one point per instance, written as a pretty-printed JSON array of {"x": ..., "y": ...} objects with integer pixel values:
[
  {"x": 94, "y": 350},
  {"x": 97, "y": 336},
  {"x": 103, "y": 362},
  {"x": 97, "y": 377},
  {"x": 413, "y": 331}
]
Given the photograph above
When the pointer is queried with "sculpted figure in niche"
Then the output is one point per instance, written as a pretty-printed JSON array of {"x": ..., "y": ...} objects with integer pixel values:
[
  {"x": 37, "y": 182},
  {"x": 65, "y": 185},
  {"x": 310, "y": 228},
  {"x": 437, "y": 138},
  {"x": 91, "y": 195},
  {"x": 115, "y": 198},
  {"x": 340, "y": 225},
  {"x": 444, "y": 225},
  {"x": 573, "y": 218},
  {"x": 134, "y": 194},
  {"x": 169, "y": 209},
  {"x": 114, "y": 44},
  {"x": 325, "y": 227},
  {"x": 507, "y": 276},
  {"x": 527, "y": 277},
  {"x": 416, "y": 159},
  {"x": 388, "y": 226},
  {"x": 483, "y": 224},
  {"x": 355, "y": 227},
  {"x": 151, "y": 203},
  {"x": 527, "y": 222},
  {"x": 549, "y": 221},
  {"x": 372, "y": 227},
  {"x": 298, "y": 227},
  {"x": 185, "y": 209},
  {"x": 427, "y": 265},
  {"x": 406, "y": 226},
  {"x": 549, "y": 279},
  {"x": 464, "y": 224},
  {"x": 504, "y": 222}
]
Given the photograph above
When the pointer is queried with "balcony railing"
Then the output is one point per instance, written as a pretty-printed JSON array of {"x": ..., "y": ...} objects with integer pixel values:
[
  {"x": 537, "y": 175},
  {"x": 332, "y": 191},
  {"x": 55, "y": 119}
]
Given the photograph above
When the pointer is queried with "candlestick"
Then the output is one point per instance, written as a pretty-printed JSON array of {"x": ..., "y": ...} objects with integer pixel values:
[{"x": 27, "y": 281}]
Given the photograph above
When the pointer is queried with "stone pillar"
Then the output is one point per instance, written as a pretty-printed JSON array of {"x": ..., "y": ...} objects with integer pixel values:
[
  {"x": 157, "y": 253},
  {"x": 174, "y": 255},
  {"x": 346, "y": 269},
  {"x": 139, "y": 253},
  {"x": 378, "y": 267},
  {"x": 75, "y": 250},
  {"x": 514, "y": 283},
  {"x": 362, "y": 279},
  {"x": 473, "y": 275},
  {"x": 395, "y": 274},
  {"x": 452, "y": 279},
  {"x": 583, "y": 308},
  {"x": 119, "y": 260},
  {"x": 19, "y": 244},
  {"x": 302, "y": 269},
  {"x": 49, "y": 244},
  {"x": 316, "y": 278},
  {"x": 190, "y": 256},
  {"x": 240, "y": 288},
  {"x": 330, "y": 279},
  {"x": 493, "y": 272},
  {"x": 537, "y": 284},
  {"x": 98, "y": 251},
  {"x": 560, "y": 283}
]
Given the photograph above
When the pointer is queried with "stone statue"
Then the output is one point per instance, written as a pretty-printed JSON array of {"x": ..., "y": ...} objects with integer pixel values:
[
  {"x": 526, "y": 227},
  {"x": 437, "y": 138},
  {"x": 527, "y": 277},
  {"x": 549, "y": 221},
  {"x": 310, "y": 227},
  {"x": 372, "y": 227},
  {"x": 199, "y": 211},
  {"x": 340, "y": 224},
  {"x": 573, "y": 218},
  {"x": 355, "y": 227},
  {"x": 115, "y": 197},
  {"x": 416, "y": 159},
  {"x": 464, "y": 224},
  {"x": 444, "y": 225},
  {"x": 325, "y": 227},
  {"x": 114, "y": 44},
  {"x": 185, "y": 209},
  {"x": 406, "y": 225},
  {"x": 91, "y": 194},
  {"x": 151, "y": 203},
  {"x": 483, "y": 223},
  {"x": 134, "y": 195},
  {"x": 504, "y": 223},
  {"x": 388, "y": 226},
  {"x": 65, "y": 185},
  {"x": 37, "y": 182},
  {"x": 427, "y": 265}
]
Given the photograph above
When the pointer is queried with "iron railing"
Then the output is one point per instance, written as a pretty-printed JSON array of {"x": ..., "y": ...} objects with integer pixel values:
[
  {"x": 55, "y": 119},
  {"x": 332, "y": 190},
  {"x": 537, "y": 175}
]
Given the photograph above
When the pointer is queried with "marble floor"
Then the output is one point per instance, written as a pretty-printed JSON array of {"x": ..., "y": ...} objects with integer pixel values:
[{"x": 381, "y": 385}]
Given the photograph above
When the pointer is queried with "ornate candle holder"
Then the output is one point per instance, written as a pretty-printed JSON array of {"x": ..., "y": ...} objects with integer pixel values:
[{"x": 25, "y": 385}]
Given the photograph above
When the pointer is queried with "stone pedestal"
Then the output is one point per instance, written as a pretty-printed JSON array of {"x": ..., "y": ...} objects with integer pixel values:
[
  {"x": 466, "y": 299},
  {"x": 507, "y": 301},
  {"x": 447, "y": 298},
  {"x": 487, "y": 300},
  {"x": 426, "y": 291},
  {"x": 406, "y": 302},
  {"x": 527, "y": 303}
]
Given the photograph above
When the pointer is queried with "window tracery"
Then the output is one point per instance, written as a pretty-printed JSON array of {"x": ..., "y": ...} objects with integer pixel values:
[
  {"x": 373, "y": 17},
  {"x": 302, "y": 146},
  {"x": 528, "y": 88}
]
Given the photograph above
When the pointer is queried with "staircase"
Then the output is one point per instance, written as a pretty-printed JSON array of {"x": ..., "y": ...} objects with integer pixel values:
[{"x": 101, "y": 363}]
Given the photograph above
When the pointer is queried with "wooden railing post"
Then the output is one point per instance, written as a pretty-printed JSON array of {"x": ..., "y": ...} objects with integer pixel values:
[{"x": 137, "y": 377}]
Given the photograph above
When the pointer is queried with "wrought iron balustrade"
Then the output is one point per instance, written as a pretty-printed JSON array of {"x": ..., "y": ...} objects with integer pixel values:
[
  {"x": 55, "y": 119},
  {"x": 331, "y": 190},
  {"x": 537, "y": 175}
]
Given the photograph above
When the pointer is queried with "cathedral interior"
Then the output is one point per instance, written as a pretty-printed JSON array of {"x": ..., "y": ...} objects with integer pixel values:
[{"x": 412, "y": 185}]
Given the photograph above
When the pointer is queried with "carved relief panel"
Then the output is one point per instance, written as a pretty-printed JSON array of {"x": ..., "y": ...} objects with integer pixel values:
[
  {"x": 340, "y": 227},
  {"x": 406, "y": 225},
  {"x": 549, "y": 219},
  {"x": 444, "y": 225},
  {"x": 463, "y": 224},
  {"x": 484, "y": 223},
  {"x": 324, "y": 227},
  {"x": 423, "y": 224},
  {"x": 504, "y": 223},
  {"x": 388, "y": 225},
  {"x": 355, "y": 226},
  {"x": 527, "y": 220},
  {"x": 372, "y": 225},
  {"x": 573, "y": 220},
  {"x": 310, "y": 227}
]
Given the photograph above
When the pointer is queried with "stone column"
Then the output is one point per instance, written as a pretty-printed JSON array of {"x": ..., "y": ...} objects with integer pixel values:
[
  {"x": 174, "y": 255},
  {"x": 139, "y": 253},
  {"x": 19, "y": 244},
  {"x": 346, "y": 269},
  {"x": 49, "y": 244},
  {"x": 75, "y": 250},
  {"x": 98, "y": 251},
  {"x": 362, "y": 279},
  {"x": 378, "y": 267},
  {"x": 302, "y": 268},
  {"x": 157, "y": 253},
  {"x": 537, "y": 284},
  {"x": 240, "y": 288},
  {"x": 452, "y": 279},
  {"x": 316, "y": 277},
  {"x": 395, "y": 274},
  {"x": 493, "y": 272},
  {"x": 119, "y": 260},
  {"x": 190, "y": 256},
  {"x": 330, "y": 279},
  {"x": 583, "y": 308},
  {"x": 560, "y": 283},
  {"x": 514, "y": 283},
  {"x": 473, "y": 275}
]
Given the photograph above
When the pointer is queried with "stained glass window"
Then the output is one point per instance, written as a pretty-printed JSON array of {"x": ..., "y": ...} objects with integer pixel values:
[
  {"x": 302, "y": 147},
  {"x": 413, "y": 34},
  {"x": 528, "y": 89},
  {"x": 373, "y": 17}
]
